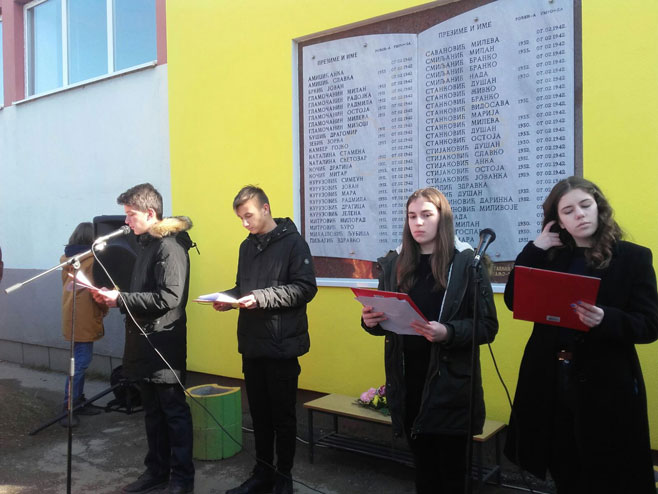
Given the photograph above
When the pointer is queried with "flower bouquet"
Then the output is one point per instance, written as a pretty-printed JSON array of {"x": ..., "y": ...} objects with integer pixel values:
[{"x": 375, "y": 399}]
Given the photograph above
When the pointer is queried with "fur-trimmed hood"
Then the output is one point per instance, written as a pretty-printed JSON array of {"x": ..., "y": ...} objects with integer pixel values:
[{"x": 171, "y": 226}]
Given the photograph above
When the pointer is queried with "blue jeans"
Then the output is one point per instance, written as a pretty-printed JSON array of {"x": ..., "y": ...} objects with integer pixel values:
[{"x": 82, "y": 352}]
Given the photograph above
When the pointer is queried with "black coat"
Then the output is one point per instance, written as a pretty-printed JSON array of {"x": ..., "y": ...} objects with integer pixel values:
[
  {"x": 612, "y": 427},
  {"x": 446, "y": 395},
  {"x": 157, "y": 299},
  {"x": 278, "y": 269}
]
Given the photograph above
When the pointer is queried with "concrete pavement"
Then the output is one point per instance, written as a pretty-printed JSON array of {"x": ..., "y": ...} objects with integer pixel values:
[{"x": 108, "y": 449}]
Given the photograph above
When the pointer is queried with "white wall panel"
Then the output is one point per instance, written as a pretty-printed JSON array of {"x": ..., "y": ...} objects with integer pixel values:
[{"x": 64, "y": 158}]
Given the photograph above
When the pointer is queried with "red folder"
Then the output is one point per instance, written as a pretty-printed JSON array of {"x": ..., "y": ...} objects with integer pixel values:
[
  {"x": 545, "y": 297},
  {"x": 399, "y": 309},
  {"x": 367, "y": 292}
]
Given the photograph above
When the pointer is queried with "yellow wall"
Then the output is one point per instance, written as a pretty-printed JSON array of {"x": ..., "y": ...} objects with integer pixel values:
[{"x": 231, "y": 118}]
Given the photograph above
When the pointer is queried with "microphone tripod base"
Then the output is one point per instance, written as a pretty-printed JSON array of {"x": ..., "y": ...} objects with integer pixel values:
[{"x": 117, "y": 405}]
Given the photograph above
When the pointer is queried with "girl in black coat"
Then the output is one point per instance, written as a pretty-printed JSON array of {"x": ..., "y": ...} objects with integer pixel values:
[
  {"x": 428, "y": 375},
  {"x": 580, "y": 408}
]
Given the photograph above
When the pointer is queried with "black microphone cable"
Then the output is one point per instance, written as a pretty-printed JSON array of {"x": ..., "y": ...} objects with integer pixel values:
[
  {"x": 509, "y": 401},
  {"x": 187, "y": 393},
  {"x": 516, "y": 422}
]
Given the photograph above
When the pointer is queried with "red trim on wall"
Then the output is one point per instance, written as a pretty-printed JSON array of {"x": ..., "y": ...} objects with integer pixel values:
[
  {"x": 14, "y": 52},
  {"x": 161, "y": 30}
]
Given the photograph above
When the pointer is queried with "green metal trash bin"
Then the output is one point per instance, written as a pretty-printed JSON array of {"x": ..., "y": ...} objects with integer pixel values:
[{"x": 225, "y": 404}]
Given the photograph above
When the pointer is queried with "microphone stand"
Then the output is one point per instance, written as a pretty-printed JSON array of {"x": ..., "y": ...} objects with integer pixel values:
[
  {"x": 74, "y": 262},
  {"x": 69, "y": 402},
  {"x": 477, "y": 278}
]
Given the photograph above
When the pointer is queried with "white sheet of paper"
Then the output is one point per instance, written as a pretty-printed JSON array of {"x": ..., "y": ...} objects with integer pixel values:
[
  {"x": 82, "y": 282},
  {"x": 216, "y": 297},
  {"x": 399, "y": 313}
]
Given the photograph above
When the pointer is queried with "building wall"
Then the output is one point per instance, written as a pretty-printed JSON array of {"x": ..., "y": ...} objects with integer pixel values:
[
  {"x": 64, "y": 158},
  {"x": 231, "y": 112}
]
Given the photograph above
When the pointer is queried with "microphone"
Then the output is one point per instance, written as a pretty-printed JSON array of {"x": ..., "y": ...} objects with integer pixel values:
[
  {"x": 124, "y": 230},
  {"x": 487, "y": 236}
]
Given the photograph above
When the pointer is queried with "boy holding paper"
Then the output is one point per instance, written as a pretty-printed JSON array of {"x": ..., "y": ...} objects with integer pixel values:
[
  {"x": 275, "y": 281},
  {"x": 157, "y": 299}
]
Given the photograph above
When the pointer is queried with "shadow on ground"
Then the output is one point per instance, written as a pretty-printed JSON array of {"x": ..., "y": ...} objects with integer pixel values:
[{"x": 108, "y": 449}]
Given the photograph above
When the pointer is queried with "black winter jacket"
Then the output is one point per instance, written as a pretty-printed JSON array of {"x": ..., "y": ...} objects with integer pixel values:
[
  {"x": 157, "y": 299},
  {"x": 609, "y": 399},
  {"x": 278, "y": 269},
  {"x": 445, "y": 401}
]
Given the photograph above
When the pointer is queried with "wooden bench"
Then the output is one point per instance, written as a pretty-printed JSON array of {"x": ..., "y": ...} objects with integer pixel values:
[{"x": 341, "y": 406}]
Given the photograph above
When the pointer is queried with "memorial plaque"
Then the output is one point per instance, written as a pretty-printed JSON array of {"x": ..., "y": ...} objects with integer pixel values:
[
  {"x": 480, "y": 106},
  {"x": 497, "y": 99},
  {"x": 360, "y": 150}
]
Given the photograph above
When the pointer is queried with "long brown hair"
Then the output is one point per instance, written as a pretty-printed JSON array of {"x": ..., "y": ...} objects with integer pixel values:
[
  {"x": 444, "y": 243},
  {"x": 608, "y": 231}
]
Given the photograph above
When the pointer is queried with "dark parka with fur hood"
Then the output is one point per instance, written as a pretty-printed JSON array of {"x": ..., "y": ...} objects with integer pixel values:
[
  {"x": 157, "y": 299},
  {"x": 277, "y": 268},
  {"x": 445, "y": 401}
]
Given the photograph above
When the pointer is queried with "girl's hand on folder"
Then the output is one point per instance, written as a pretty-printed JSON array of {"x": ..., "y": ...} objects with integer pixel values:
[
  {"x": 433, "y": 331},
  {"x": 590, "y": 315},
  {"x": 548, "y": 238},
  {"x": 370, "y": 318}
]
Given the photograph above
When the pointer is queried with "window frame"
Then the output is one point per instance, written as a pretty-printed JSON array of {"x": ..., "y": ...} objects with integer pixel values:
[
  {"x": 111, "y": 72},
  {"x": 2, "y": 83}
]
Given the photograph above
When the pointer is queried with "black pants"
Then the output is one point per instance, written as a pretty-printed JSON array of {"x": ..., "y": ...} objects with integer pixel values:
[
  {"x": 440, "y": 462},
  {"x": 272, "y": 393},
  {"x": 168, "y": 431},
  {"x": 564, "y": 463},
  {"x": 440, "y": 459}
]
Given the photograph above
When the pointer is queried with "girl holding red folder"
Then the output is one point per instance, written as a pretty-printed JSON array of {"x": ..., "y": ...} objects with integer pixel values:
[
  {"x": 580, "y": 409},
  {"x": 428, "y": 375}
]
